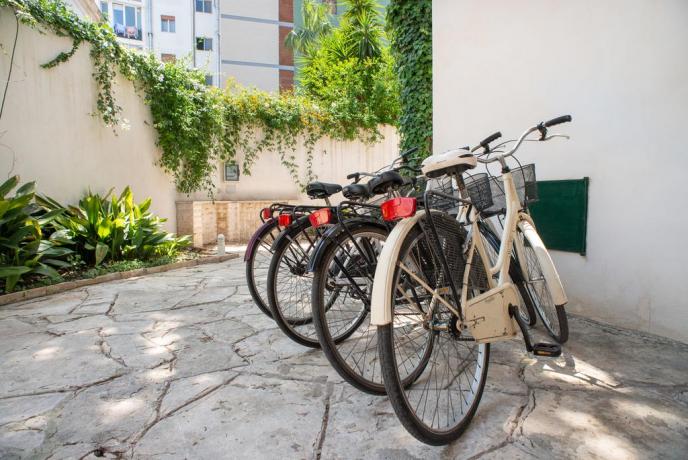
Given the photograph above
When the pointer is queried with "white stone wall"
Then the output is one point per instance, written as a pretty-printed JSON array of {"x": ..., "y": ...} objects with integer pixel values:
[
  {"x": 620, "y": 68},
  {"x": 48, "y": 132}
]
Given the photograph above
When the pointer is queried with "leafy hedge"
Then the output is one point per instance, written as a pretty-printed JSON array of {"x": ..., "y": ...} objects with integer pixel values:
[
  {"x": 200, "y": 126},
  {"x": 409, "y": 24}
]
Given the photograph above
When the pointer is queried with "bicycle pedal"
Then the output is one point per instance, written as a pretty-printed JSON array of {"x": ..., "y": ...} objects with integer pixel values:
[{"x": 549, "y": 350}]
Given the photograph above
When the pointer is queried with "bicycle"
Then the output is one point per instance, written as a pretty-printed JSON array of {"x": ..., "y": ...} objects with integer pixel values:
[
  {"x": 436, "y": 267},
  {"x": 289, "y": 281},
  {"x": 259, "y": 250},
  {"x": 344, "y": 265}
]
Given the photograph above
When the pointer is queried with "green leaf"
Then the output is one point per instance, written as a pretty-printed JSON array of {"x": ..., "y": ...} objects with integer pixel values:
[
  {"x": 6, "y": 270},
  {"x": 101, "y": 252},
  {"x": 8, "y": 185},
  {"x": 45, "y": 270}
]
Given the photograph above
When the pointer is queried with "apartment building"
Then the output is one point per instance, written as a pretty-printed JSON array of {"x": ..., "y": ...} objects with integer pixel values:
[
  {"x": 252, "y": 47},
  {"x": 172, "y": 29},
  {"x": 238, "y": 39}
]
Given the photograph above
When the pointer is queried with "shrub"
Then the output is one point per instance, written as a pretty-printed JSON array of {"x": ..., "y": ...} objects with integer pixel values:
[
  {"x": 23, "y": 249},
  {"x": 112, "y": 227}
]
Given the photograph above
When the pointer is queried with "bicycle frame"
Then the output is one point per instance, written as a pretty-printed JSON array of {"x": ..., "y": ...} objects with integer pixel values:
[{"x": 515, "y": 218}]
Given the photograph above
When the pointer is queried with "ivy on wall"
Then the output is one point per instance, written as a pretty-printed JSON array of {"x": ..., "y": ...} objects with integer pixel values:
[
  {"x": 409, "y": 25},
  {"x": 199, "y": 126}
]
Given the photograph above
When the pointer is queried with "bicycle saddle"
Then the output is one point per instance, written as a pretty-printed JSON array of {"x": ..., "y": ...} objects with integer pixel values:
[
  {"x": 322, "y": 189},
  {"x": 355, "y": 191},
  {"x": 380, "y": 184},
  {"x": 454, "y": 161}
]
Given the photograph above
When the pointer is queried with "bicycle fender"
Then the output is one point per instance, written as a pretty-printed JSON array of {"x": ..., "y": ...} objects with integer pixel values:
[
  {"x": 251, "y": 247},
  {"x": 334, "y": 233},
  {"x": 548, "y": 270},
  {"x": 381, "y": 302}
]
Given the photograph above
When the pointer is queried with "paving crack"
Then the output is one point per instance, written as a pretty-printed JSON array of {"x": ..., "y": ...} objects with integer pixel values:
[
  {"x": 106, "y": 349},
  {"x": 159, "y": 417},
  {"x": 320, "y": 439},
  {"x": 112, "y": 305}
]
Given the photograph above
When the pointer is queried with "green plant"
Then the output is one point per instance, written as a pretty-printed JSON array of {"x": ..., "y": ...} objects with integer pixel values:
[
  {"x": 317, "y": 23},
  {"x": 112, "y": 227},
  {"x": 198, "y": 127},
  {"x": 350, "y": 74},
  {"x": 23, "y": 250},
  {"x": 409, "y": 25}
]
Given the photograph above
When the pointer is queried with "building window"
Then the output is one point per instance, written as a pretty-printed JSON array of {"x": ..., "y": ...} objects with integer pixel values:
[
  {"x": 126, "y": 21},
  {"x": 332, "y": 4},
  {"x": 165, "y": 57},
  {"x": 209, "y": 80},
  {"x": 167, "y": 23},
  {"x": 204, "y": 6},
  {"x": 231, "y": 172},
  {"x": 104, "y": 9},
  {"x": 204, "y": 44}
]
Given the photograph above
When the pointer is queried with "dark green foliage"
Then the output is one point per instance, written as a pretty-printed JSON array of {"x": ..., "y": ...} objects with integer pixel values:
[
  {"x": 409, "y": 25},
  {"x": 23, "y": 249},
  {"x": 112, "y": 227}
]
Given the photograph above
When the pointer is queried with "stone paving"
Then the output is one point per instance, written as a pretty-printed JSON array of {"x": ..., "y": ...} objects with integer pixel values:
[{"x": 183, "y": 365}]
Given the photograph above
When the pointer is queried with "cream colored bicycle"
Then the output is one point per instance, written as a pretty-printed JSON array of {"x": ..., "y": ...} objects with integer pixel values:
[{"x": 435, "y": 272}]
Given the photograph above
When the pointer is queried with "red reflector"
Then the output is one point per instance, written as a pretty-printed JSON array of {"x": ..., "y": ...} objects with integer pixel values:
[
  {"x": 266, "y": 213},
  {"x": 321, "y": 217},
  {"x": 284, "y": 220},
  {"x": 398, "y": 208}
]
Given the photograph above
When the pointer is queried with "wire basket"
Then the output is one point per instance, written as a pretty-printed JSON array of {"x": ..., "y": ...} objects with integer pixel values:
[
  {"x": 487, "y": 192},
  {"x": 445, "y": 185}
]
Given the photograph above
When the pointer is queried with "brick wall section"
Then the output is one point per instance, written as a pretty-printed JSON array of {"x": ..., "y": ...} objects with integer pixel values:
[
  {"x": 286, "y": 55},
  {"x": 286, "y": 80},
  {"x": 286, "y": 10},
  {"x": 204, "y": 220}
]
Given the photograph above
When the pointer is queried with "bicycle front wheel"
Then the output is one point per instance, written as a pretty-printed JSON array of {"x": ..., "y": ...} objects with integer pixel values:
[
  {"x": 436, "y": 406},
  {"x": 553, "y": 316}
]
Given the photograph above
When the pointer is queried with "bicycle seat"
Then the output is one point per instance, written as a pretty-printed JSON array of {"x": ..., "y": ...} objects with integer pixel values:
[
  {"x": 356, "y": 191},
  {"x": 380, "y": 184},
  {"x": 322, "y": 189},
  {"x": 454, "y": 161}
]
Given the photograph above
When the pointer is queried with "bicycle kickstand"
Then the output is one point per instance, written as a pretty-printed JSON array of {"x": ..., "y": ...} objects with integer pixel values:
[{"x": 549, "y": 350}]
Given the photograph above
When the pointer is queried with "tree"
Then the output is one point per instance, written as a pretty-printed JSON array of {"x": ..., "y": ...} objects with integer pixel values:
[{"x": 317, "y": 23}]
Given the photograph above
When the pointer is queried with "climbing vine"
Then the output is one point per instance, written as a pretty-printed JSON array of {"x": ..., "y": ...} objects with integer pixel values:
[
  {"x": 199, "y": 126},
  {"x": 409, "y": 24}
]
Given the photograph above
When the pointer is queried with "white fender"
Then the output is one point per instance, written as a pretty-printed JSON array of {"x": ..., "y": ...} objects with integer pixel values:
[
  {"x": 546, "y": 264},
  {"x": 381, "y": 302}
]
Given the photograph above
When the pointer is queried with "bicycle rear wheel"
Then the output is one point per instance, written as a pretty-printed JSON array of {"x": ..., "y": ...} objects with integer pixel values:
[
  {"x": 289, "y": 283},
  {"x": 440, "y": 402},
  {"x": 553, "y": 316},
  {"x": 258, "y": 264}
]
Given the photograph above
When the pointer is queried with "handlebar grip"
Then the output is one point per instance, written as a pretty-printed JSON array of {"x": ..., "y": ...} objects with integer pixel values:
[
  {"x": 352, "y": 176},
  {"x": 408, "y": 152},
  {"x": 491, "y": 138},
  {"x": 557, "y": 121}
]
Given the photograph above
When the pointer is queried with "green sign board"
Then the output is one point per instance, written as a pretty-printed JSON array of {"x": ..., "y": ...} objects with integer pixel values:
[{"x": 561, "y": 213}]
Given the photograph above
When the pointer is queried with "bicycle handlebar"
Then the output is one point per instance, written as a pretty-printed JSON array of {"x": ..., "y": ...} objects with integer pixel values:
[
  {"x": 541, "y": 127},
  {"x": 557, "y": 121}
]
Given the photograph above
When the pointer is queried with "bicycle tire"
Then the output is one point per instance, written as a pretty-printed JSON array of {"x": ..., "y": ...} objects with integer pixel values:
[
  {"x": 397, "y": 391},
  {"x": 293, "y": 314},
  {"x": 266, "y": 238}
]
